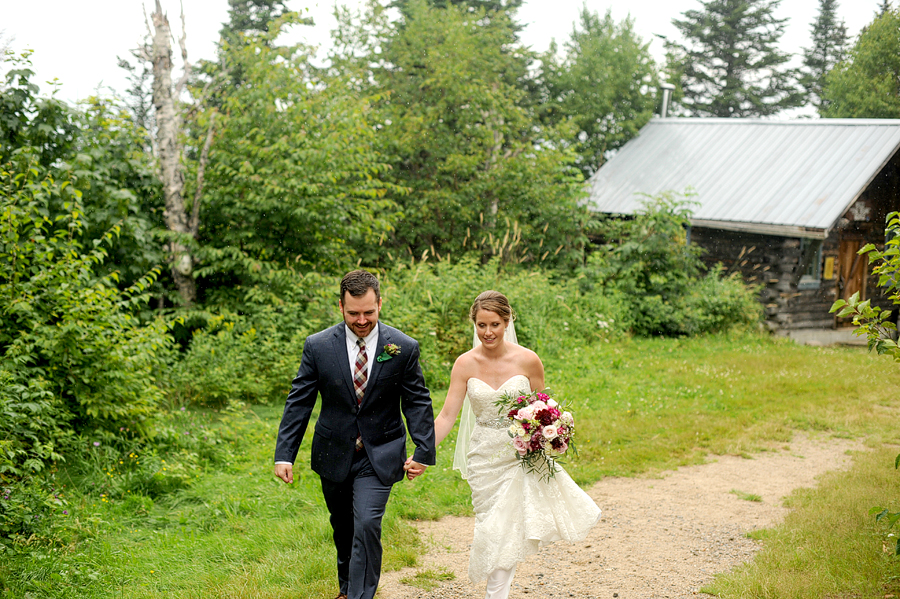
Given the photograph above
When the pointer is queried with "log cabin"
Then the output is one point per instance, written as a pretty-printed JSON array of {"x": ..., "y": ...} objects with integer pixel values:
[{"x": 787, "y": 204}]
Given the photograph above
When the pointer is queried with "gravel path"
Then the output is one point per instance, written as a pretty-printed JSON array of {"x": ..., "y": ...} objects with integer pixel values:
[{"x": 658, "y": 538}]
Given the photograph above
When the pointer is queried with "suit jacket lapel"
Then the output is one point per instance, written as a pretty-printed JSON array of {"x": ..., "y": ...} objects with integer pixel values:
[
  {"x": 339, "y": 343},
  {"x": 383, "y": 339}
]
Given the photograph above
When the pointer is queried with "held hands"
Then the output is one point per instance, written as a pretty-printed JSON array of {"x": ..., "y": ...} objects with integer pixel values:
[
  {"x": 413, "y": 468},
  {"x": 285, "y": 472}
]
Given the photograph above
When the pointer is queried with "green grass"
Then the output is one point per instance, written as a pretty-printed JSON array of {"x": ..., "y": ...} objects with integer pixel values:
[
  {"x": 428, "y": 579},
  {"x": 746, "y": 496},
  {"x": 641, "y": 406},
  {"x": 828, "y": 545}
]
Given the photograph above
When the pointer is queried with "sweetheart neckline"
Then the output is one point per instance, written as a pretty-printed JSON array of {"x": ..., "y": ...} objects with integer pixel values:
[{"x": 501, "y": 384}]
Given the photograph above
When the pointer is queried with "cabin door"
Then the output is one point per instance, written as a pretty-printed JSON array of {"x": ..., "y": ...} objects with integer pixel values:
[{"x": 852, "y": 273}]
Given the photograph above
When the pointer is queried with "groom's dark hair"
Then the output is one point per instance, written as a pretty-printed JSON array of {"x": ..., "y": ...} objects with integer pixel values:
[{"x": 358, "y": 282}]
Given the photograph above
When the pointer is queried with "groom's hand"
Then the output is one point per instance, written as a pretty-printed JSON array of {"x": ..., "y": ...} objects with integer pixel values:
[
  {"x": 413, "y": 468},
  {"x": 285, "y": 472}
]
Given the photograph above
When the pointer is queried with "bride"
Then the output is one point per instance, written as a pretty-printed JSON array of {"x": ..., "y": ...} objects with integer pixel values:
[{"x": 515, "y": 511}]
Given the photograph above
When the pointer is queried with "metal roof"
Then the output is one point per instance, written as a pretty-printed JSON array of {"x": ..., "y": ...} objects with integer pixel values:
[{"x": 789, "y": 178}]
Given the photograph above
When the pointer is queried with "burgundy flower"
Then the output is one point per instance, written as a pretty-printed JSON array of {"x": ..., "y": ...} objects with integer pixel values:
[{"x": 544, "y": 417}]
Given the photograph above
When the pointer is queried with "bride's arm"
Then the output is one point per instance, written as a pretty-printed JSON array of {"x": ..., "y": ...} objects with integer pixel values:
[
  {"x": 534, "y": 370},
  {"x": 444, "y": 422}
]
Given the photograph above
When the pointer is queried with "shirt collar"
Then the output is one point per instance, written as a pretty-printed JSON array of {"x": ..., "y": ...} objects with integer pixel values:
[{"x": 368, "y": 339}]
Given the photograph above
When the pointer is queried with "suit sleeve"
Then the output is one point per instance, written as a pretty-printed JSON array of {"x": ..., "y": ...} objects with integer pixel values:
[
  {"x": 416, "y": 406},
  {"x": 297, "y": 409}
]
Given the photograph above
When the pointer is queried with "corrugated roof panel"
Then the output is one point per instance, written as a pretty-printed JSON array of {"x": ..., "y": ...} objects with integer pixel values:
[{"x": 791, "y": 174}]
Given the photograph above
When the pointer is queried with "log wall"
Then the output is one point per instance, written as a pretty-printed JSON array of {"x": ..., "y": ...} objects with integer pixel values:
[{"x": 774, "y": 263}]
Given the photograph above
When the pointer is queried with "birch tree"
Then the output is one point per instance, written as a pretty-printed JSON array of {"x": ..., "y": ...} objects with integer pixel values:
[{"x": 182, "y": 224}]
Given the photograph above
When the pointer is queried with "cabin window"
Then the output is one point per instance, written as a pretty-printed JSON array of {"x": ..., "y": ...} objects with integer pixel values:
[{"x": 811, "y": 262}]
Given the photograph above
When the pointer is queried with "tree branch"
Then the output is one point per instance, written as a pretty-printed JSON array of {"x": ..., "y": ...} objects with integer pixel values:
[
  {"x": 179, "y": 87},
  {"x": 201, "y": 171}
]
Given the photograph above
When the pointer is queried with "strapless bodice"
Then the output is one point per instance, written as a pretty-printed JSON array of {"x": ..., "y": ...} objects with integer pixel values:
[{"x": 482, "y": 396}]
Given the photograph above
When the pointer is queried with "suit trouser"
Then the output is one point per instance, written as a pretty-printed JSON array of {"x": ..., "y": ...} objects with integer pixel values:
[{"x": 357, "y": 538}]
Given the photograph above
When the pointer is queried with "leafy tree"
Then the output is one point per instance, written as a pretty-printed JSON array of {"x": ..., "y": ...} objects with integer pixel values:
[
  {"x": 294, "y": 176},
  {"x": 829, "y": 47},
  {"x": 45, "y": 124},
  {"x": 484, "y": 175},
  {"x": 603, "y": 85},
  {"x": 731, "y": 64},
  {"x": 884, "y": 7},
  {"x": 867, "y": 84},
  {"x": 100, "y": 145}
]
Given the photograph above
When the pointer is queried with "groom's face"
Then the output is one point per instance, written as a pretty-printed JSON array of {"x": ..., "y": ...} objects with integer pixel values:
[{"x": 360, "y": 312}]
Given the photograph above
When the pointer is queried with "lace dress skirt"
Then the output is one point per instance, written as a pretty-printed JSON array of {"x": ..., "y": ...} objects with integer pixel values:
[{"x": 517, "y": 512}]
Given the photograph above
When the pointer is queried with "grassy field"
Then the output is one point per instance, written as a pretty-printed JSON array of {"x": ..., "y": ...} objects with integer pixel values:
[{"x": 642, "y": 406}]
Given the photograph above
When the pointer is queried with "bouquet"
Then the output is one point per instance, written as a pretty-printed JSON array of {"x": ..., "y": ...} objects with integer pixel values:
[{"x": 541, "y": 429}]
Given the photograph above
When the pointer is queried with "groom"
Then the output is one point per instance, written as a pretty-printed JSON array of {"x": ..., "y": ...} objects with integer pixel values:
[{"x": 366, "y": 373}]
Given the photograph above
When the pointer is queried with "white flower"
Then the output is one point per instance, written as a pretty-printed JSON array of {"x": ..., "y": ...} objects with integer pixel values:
[
  {"x": 550, "y": 432},
  {"x": 517, "y": 430},
  {"x": 568, "y": 418},
  {"x": 552, "y": 403}
]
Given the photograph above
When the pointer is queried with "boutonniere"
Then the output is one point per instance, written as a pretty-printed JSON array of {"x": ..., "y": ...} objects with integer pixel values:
[{"x": 390, "y": 350}]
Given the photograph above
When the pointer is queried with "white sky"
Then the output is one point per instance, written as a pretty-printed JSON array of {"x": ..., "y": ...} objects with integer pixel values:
[{"x": 77, "y": 41}]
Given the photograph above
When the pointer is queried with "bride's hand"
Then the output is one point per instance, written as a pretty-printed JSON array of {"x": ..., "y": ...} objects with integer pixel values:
[{"x": 413, "y": 468}]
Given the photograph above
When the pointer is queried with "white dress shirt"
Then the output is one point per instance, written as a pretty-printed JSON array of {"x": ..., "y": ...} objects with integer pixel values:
[{"x": 371, "y": 341}]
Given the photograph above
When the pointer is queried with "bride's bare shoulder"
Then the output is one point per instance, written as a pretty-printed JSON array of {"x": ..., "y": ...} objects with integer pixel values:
[
  {"x": 526, "y": 355},
  {"x": 464, "y": 364}
]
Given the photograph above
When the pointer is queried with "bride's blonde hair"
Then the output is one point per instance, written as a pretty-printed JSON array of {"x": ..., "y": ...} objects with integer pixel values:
[{"x": 492, "y": 301}]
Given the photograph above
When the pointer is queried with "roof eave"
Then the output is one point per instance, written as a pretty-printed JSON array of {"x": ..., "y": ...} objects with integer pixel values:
[{"x": 762, "y": 228}]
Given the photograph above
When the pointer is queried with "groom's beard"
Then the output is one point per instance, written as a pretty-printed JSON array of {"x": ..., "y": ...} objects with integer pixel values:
[{"x": 362, "y": 331}]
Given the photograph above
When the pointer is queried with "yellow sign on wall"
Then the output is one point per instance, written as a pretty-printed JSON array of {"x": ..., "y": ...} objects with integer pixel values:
[{"x": 829, "y": 269}]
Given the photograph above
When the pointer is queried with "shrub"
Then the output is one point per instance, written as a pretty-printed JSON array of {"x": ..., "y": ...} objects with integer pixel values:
[
  {"x": 59, "y": 322},
  {"x": 648, "y": 260},
  {"x": 73, "y": 357}
]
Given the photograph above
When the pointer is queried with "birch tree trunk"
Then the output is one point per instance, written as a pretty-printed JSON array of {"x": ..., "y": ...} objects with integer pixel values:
[{"x": 168, "y": 131}]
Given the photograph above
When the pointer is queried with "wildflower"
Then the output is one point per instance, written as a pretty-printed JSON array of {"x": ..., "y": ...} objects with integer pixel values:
[{"x": 96, "y": 443}]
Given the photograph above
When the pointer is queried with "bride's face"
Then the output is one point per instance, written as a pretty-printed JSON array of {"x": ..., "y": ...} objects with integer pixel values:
[{"x": 490, "y": 328}]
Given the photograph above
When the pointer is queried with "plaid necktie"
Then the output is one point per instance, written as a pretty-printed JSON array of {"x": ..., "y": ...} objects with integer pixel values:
[
  {"x": 360, "y": 371},
  {"x": 360, "y": 375}
]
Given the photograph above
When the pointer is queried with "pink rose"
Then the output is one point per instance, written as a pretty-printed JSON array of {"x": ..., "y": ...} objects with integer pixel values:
[{"x": 520, "y": 445}]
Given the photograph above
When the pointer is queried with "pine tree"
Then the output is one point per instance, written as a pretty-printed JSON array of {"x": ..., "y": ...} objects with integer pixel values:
[
  {"x": 246, "y": 16},
  {"x": 829, "y": 47},
  {"x": 731, "y": 64},
  {"x": 884, "y": 7}
]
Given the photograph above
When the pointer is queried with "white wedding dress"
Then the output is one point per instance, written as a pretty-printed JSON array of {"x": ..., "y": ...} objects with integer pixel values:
[{"x": 515, "y": 512}]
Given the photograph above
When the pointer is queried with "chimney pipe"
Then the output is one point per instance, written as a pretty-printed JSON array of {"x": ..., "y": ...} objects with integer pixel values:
[{"x": 667, "y": 89}]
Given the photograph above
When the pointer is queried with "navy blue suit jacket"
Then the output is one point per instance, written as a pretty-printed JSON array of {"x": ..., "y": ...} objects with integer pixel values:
[{"x": 395, "y": 385}]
